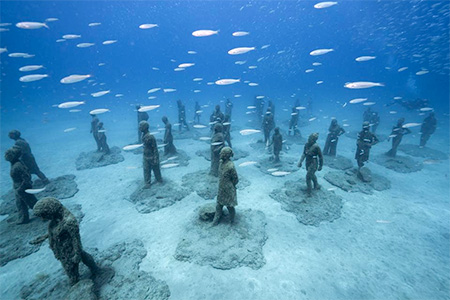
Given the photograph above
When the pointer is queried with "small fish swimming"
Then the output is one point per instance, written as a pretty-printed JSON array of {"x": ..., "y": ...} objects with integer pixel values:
[
  {"x": 251, "y": 107},
  {"x": 192, "y": 52},
  {"x": 204, "y": 138},
  {"x": 362, "y": 84},
  {"x": 247, "y": 163},
  {"x": 272, "y": 170},
  {"x": 240, "y": 50},
  {"x": 85, "y": 45},
  {"x": 99, "y": 94},
  {"x": 179, "y": 69},
  {"x": 426, "y": 109},
  {"x": 249, "y": 131},
  {"x": 369, "y": 103},
  {"x": 34, "y": 191},
  {"x": 312, "y": 119},
  {"x": 320, "y": 52},
  {"x": 260, "y": 97},
  {"x": 319, "y": 82},
  {"x": 227, "y": 81},
  {"x": 132, "y": 147},
  {"x": 365, "y": 58},
  {"x": 74, "y": 110},
  {"x": 265, "y": 46},
  {"x": 109, "y": 42},
  {"x": 34, "y": 77},
  {"x": 241, "y": 33},
  {"x": 280, "y": 173},
  {"x": 169, "y": 90},
  {"x": 316, "y": 64},
  {"x": 423, "y": 72},
  {"x": 300, "y": 107},
  {"x": 325, "y": 4},
  {"x": 253, "y": 84},
  {"x": 70, "y": 104},
  {"x": 148, "y": 26},
  {"x": 167, "y": 166},
  {"x": 309, "y": 70},
  {"x": 99, "y": 111},
  {"x": 74, "y": 78},
  {"x": 70, "y": 129},
  {"x": 94, "y": 24},
  {"x": 204, "y": 32},
  {"x": 199, "y": 126},
  {"x": 252, "y": 67},
  {"x": 186, "y": 65},
  {"x": 71, "y": 36},
  {"x": 19, "y": 54},
  {"x": 3, "y": 50},
  {"x": 31, "y": 25},
  {"x": 240, "y": 62},
  {"x": 148, "y": 108},
  {"x": 402, "y": 69},
  {"x": 357, "y": 100},
  {"x": 216, "y": 143},
  {"x": 197, "y": 79},
  {"x": 153, "y": 90},
  {"x": 30, "y": 68},
  {"x": 409, "y": 125},
  {"x": 51, "y": 19}
]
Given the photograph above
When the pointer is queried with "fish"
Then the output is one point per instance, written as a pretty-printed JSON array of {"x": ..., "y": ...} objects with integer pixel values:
[
  {"x": 309, "y": 70},
  {"x": 216, "y": 143},
  {"x": 431, "y": 161},
  {"x": 226, "y": 123},
  {"x": 153, "y": 90},
  {"x": 31, "y": 25},
  {"x": 369, "y": 103},
  {"x": 260, "y": 97},
  {"x": 383, "y": 221},
  {"x": 300, "y": 107},
  {"x": 148, "y": 26},
  {"x": 240, "y": 62},
  {"x": 169, "y": 90},
  {"x": 365, "y": 58},
  {"x": 320, "y": 52},
  {"x": 409, "y": 125},
  {"x": 98, "y": 111},
  {"x": 204, "y": 138},
  {"x": 344, "y": 105},
  {"x": 247, "y": 163},
  {"x": 197, "y": 91},
  {"x": 101, "y": 93},
  {"x": 260, "y": 59},
  {"x": 179, "y": 69},
  {"x": 85, "y": 45},
  {"x": 426, "y": 109},
  {"x": 74, "y": 110},
  {"x": 155, "y": 68},
  {"x": 249, "y": 131},
  {"x": 226, "y": 81},
  {"x": 148, "y": 108},
  {"x": 362, "y": 84},
  {"x": 119, "y": 95},
  {"x": 172, "y": 157},
  {"x": 423, "y": 72},
  {"x": 281, "y": 51},
  {"x": 251, "y": 107},
  {"x": 109, "y": 42},
  {"x": 198, "y": 111},
  {"x": 392, "y": 136},
  {"x": 331, "y": 189},
  {"x": 101, "y": 64},
  {"x": 319, "y": 82},
  {"x": 186, "y": 65},
  {"x": 280, "y": 173},
  {"x": 34, "y": 191},
  {"x": 3, "y": 50},
  {"x": 240, "y": 50},
  {"x": 392, "y": 112},
  {"x": 34, "y": 77},
  {"x": 241, "y": 33},
  {"x": 199, "y": 126},
  {"x": 60, "y": 40},
  {"x": 252, "y": 67},
  {"x": 265, "y": 46},
  {"x": 204, "y": 32},
  {"x": 19, "y": 54},
  {"x": 51, "y": 19},
  {"x": 325, "y": 4},
  {"x": 70, "y": 104},
  {"x": 197, "y": 79},
  {"x": 253, "y": 84},
  {"x": 402, "y": 69},
  {"x": 71, "y": 36},
  {"x": 312, "y": 119},
  {"x": 132, "y": 147},
  {"x": 30, "y": 68},
  {"x": 210, "y": 83},
  {"x": 167, "y": 166},
  {"x": 74, "y": 78},
  {"x": 272, "y": 170},
  {"x": 192, "y": 52},
  {"x": 397, "y": 98},
  {"x": 357, "y": 100},
  {"x": 316, "y": 64},
  {"x": 237, "y": 96},
  {"x": 94, "y": 24},
  {"x": 70, "y": 129}
]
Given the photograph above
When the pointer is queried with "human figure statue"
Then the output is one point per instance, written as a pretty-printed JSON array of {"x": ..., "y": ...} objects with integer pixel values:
[
  {"x": 64, "y": 238},
  {"x": 428, "y": 128},
  {"x": 141, "y": 116},
  {"x": 226, "y": 130},
  {"x": 365, "y": 141},
  {"x": 151, "y": 155},
  {"x": 228, "y": 180},
  {"x": 169, "y": 148},
  {"x": 272, "y": 107},
  {"x": 267, "y": 125},
  {"x": 314, "y": 162},
  {"x": 293, "y": 122},
  {"x": 217, "y": 143},
  {"x": 228, "y": 108},
  {"x": 21, "y": 181},
  {"x": 102, "y": 139},
  {"x": 374, "y": 121},
  {"x": 27, "y": 156},
  {"x": 216, "y": 117},
  {"x": 367, "y": 115},
  {"x": 259, "y": 103},
  {"x": 334, "y": 132},
  {"x": 94, "y": 130},
  {"x": 277, "y": 142},
  {"x": 182, "y": 116},
  {"x": 398, "y": 131},
  {"x": 198, "y": 113}
]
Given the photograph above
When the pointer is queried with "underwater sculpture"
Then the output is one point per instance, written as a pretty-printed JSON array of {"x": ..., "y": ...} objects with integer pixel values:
[
  {"x": 27, "y": 156},
  {"x": 228, "y": 108},
  {"x": 427, "y": 129},
  {"x": 216, "y": 117},
  {"x": 151, "y": 155},
  {"x": 365, "y": 141},
  {"x": 228, "y": 180},
  {"x": 182, "y": 116},
  {"x": 21, "y": 181},
  {"x": 227, "y": 129},
  {"x": 217, "y": 143},
  {"x": 169, "y": 148},
  {"x": 398, "y": 131},
  {"x": 334, "y": 131},
  {"x": 102, "y": 139},
  {"x": 94, "y": 130},
  {"x": 314, "y": 162},
  {"x": 277, "y": 142},
  {"x": 64, "y": 237},
  {"x": 197, "y": 113},
  {"x": 141, "y": 116},
  {"x": 267, "y": 125},
  {"x": 372, "y": 117},
  {"x": 293, "y": 122}
]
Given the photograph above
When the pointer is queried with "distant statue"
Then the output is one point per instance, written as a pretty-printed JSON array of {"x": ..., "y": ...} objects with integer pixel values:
[
  {"x": 277, "y": 142},
  {"x": 151, "y": 155},
  {"x": 21, "y": 181},
  {"x": 226, "y": 130},
  {"x": 272, "y": 107},
  {"x": 397, "y": 134},
  {"x": 228, "y": 108},
  {"x": 27, "y": 156},
  {"x": 94, "y": 131},
  {"x": 228, "y": 180},
  {"x": 217, "y": 143},
  {"x": 314, "y": 162},
  {"x": 141, "y": 116},
  {"x": 182, "y": 116},
  {"x": 375, "y": 121},
  {"x": 198, "y": 113},
  {"x": 293, "y": 122},
  {"x": 268, "y": 125},
  {"x": 102, "y": 139},
  {"x": 64, "y": 238},
  {"x": 216, "y": 117},
  {"x": 428, "y": 128},
  {"x": 365, "y": 141},
  {"x": 334, "y": 132},
  {"x": 259, "y": 104},
  {"x": 169, "y": 148}
]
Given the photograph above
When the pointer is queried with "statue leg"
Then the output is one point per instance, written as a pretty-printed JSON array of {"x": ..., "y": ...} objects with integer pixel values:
[
  {"x": 147, "y": 173},
  {"x": 71, "y": 270},
  {"x": 88, "y": 260},
  {"x": 232, "y": 212},
  {"x": 218, "y": 214},
  {"x": 22, "y": 209}
]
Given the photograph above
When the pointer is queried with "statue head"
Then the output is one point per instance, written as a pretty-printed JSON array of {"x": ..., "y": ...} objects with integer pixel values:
[
  {"x": 334, "y": 122},
  {"x": 144, "y": 126},
  {"x": 366, "y": 126},
  {"x": 13, "y": 154},
  {"x": 49, "y": 209},
  {"x": 218, "y": 127},
  {"x": 164, "y": 119},
  {"x": 226, "y": 153},
  {"x": 313, "y": 137},
  {"x": 14, "y": 134},
  {"x": 277, "y": 130}
]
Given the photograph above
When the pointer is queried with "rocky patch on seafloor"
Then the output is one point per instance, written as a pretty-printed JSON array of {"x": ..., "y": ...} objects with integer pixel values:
[
  {"x": 425, "y": 152},
  {"x": 354, "y": 135},
  {"x": 225, "y": 246},
  {"x": 61, "y": 187},
  {"x": 158, "y": 196},
  {"x": 269, "y": 166},
  {"x": 206, "y": 185},
  {"x": 179, "y": 159},
  {"x": 353, "y": 181},
  {"x": 237, "y": 154},
  {"x": 94, "y": 159},
  {"x": 322, "y": 205},
  {"x": 15, "y": 241},
  {"x": 120, "y": 277},
  {"x": 400, "y": 164},
  {"x": 337, "y": 162}
]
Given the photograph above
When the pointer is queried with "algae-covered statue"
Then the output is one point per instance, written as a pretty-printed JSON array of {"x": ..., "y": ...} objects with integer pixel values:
[
  {"x": 102, "y": 138},
  {"x": 428, "y": 128},
  {"x": 277, "y": 142},
  {"x": 27, "y": 156},
  {"x": 397, "y": 134},
  {"x": 182, "y": 116},
  {"x": 141, "y": 116},
  {"x": 217, "y": 143},
  {"x": 169, "y": 148},
  {"x": 314, "y": 162},
  {"x": 94, "y": 130},
  {"x": 334, "y": 132},
  {"x": 293, "y": 122},
  {"x": 151, "y": 155},
  {"x": 228, "y": 180},
  {"x": 64, "y": 237},
  {"x": 267, "y": 125},
  {"x": 21, "y": 181},
  {"x": 365, "y": 141}
]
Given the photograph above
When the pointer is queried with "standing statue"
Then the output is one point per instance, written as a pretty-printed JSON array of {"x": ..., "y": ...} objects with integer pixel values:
[
  {"x": 226, "y": 130},
  {"x": 169, "y": 148},
  {"x": 217, "y": 143},
  {"x": 94, "y": 130},
  {"x": 293, "y": 122},
  {"x": 102, "y": 138},
  {"x": 216, "y": 117},
  {"x": 375, "y": 121},
  {"x": 427, "y": 129},
  {"x": 365, "y": 141},
  {"x": 397, "y": 135},
  {"x": 314, "y": 162},
  {"x": 64, "y": 238},
  {"x": 277, "y": 142},
  {"x": 272, "y": 107},
  {"x": 21, "y": 181},
  {"x": 228, "y": 180},
  {"x": 334, "y": 132},
  {"x": 267, "y": 125},
  {"x": 141, "y": 116},
  {"x": 198, "y": 113},
  {"x": 259, "y": 103},
  {"x": 27, "y": 156},
  {"x": 182, "y": 116},
  {"x": 228, "y": 107},
  {"x": 151, "y": 155}
]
